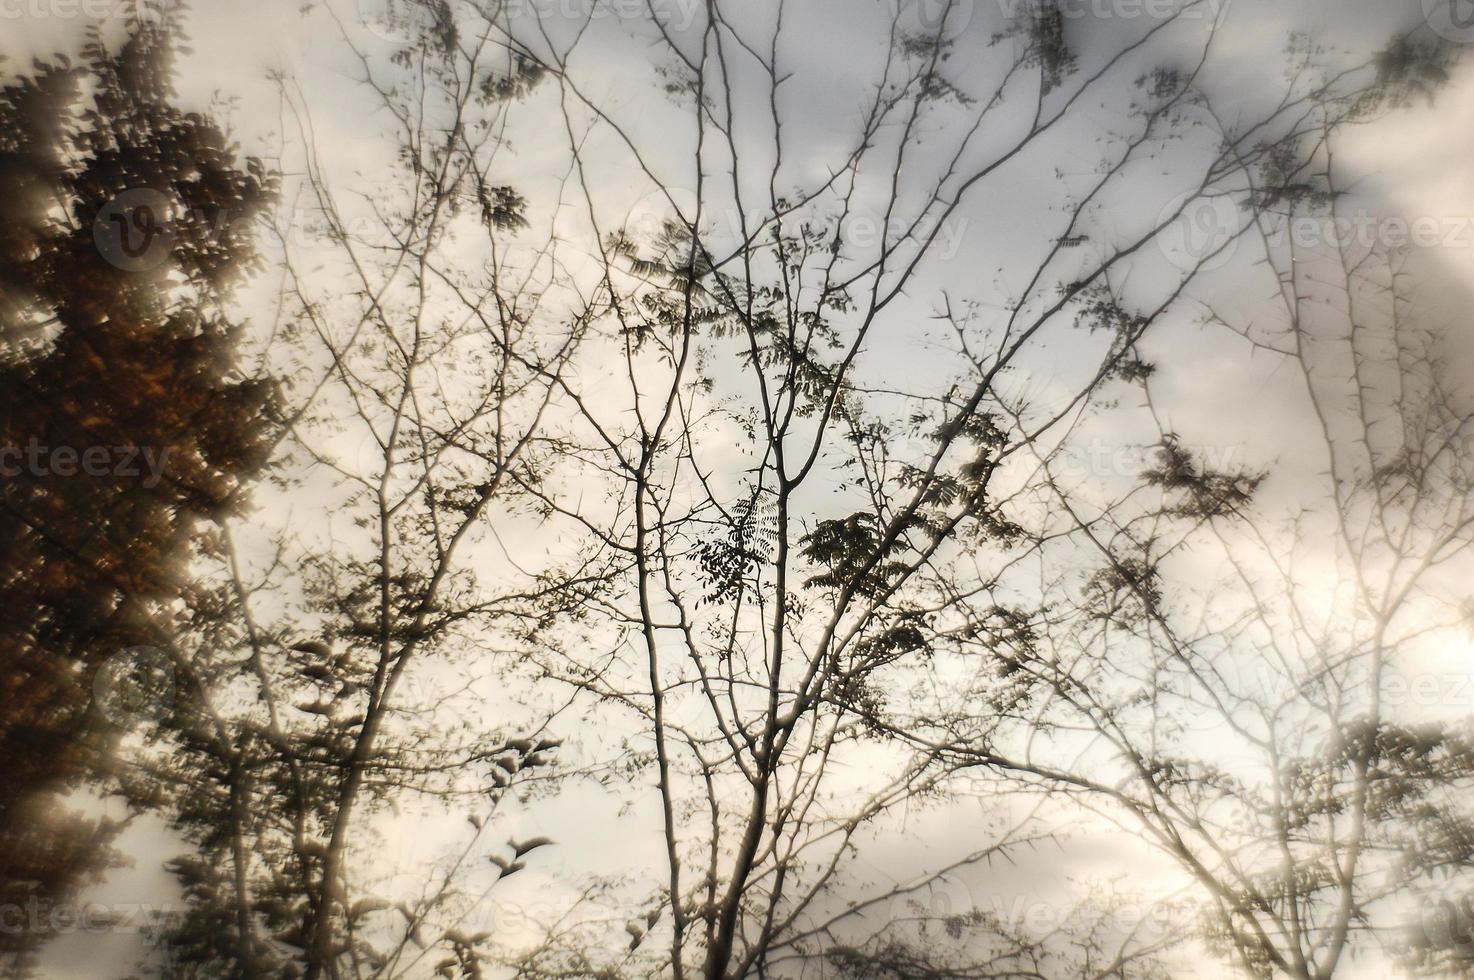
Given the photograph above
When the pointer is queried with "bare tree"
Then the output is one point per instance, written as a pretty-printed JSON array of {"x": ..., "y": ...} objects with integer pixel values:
[
  {"x": 804, "y": 585},
  {"x": 1229, "y": 675},
  {"x": 804, "y": 543},
  {"x": 336, "y": 666}
]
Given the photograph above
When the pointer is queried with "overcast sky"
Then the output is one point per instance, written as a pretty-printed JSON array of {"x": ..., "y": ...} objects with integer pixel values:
[{"x": 1416, "y": 164}]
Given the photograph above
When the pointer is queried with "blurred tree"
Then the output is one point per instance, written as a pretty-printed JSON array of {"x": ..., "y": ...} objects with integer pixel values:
[
  {"x": 124, "y": 427},
  {"x": 332, "y": 664},
  {"x": 795, "y": 579},
  {"x": 1226, "y": 666}
]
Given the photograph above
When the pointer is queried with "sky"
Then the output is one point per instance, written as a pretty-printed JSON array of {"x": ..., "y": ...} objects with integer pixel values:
[{"x": 1416, "y": 164}]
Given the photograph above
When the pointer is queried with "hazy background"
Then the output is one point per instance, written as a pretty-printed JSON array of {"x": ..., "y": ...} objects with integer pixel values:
[{"x": 1416, "y": 164}]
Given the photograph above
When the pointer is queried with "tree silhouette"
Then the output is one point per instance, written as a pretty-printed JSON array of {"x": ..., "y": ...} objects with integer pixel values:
[
  {"x": 682, "y": 488},
  {"x": 1253, "y": 721},
  {"x": 330, "y": 670},
  {"x": 126, "y": 430}
]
